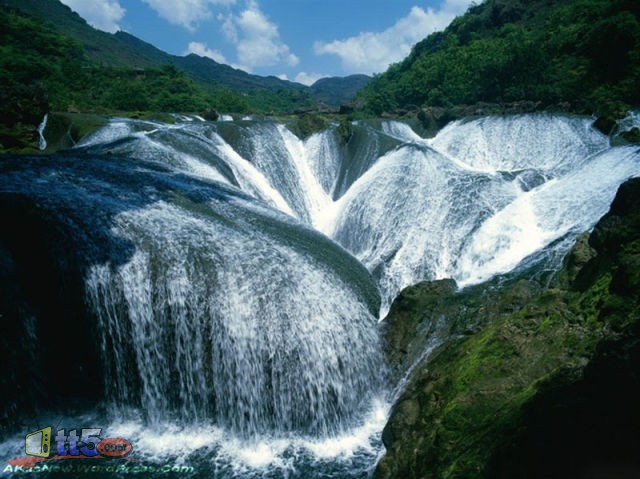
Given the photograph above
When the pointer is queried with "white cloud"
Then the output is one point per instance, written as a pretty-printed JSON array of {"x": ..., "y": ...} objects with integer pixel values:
[
  {"x": 102, "y": 14},
  {"x": 202, "y": 50},
  {"x": 229, "y": 29},
  {"x": 308, "y": 78},
  {"x": 186, "y": 13},
  {"x": 373, "y": 52},
  {"x": 282, "y": 76},
  {"x": 256, "y": 38}
]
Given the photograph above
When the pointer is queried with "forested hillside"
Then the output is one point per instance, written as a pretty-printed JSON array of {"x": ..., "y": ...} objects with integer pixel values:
[
  {"x": 124, "y": 50},
  {"x": 582, "y": 54},
  {"x": 43, "y": 70},
  {"x": 52, "y": 60}
]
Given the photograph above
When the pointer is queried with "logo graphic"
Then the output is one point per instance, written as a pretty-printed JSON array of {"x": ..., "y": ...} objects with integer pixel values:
[
  {"x": 38, "y": 443},
  {"x": 88, "y": 444},
  {"x": 49, "y": 451}
]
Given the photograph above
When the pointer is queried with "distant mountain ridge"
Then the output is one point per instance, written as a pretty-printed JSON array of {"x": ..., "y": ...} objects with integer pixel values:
[
  {"x": 337, "y": 90},
  {"x": 204, "y": 69},
  {"x": 122, "y": 49},
  {"x": 125, "y": 50},
  {"x": 100, "y": 46}
]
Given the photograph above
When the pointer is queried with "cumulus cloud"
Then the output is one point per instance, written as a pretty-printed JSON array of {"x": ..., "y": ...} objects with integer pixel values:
[
  {"x": 186, "y": 13},
  {"x": 102, "y": 14},
  {"x": 373, "y": 52},
  {"x": 257, "y": 40},
  {"x": 202, "y": 50},
  {"x": 308, "y": 78}
]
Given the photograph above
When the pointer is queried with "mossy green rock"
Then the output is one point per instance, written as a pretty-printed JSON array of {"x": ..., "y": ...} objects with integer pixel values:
[
  {"x": 549, "y": 389},
  {"x": 632, "y": 136},
  {"x": 425, "y": 314},
  {"x": 64, "y": 130},
  {"x": 308, "y": 124}
]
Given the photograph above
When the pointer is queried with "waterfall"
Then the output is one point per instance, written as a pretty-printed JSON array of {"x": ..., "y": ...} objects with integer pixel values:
[
  {"x": 482, "y": 198},
  {"x": 550, "y": 144},
  {"x": 218, "y": 307},
  {"x": 232, "y": 274},
  {"x": 232, "y": 323},
  {"x": 42, "y": 142},
  {"x": 479, "y": 199}
]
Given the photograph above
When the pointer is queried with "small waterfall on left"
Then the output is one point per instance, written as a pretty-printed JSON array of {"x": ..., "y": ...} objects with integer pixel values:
[{"x": 42, "y": 142}]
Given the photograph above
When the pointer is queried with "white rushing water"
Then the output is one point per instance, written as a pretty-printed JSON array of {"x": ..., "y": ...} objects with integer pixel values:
[
  {"x": 230, "y": 322},
  {"x": 233, "y": 269},
  {"x": 473, "y": 202},
  {"x": 222, "y": 322}
]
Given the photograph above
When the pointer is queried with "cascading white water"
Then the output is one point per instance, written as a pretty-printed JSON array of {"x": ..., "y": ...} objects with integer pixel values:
[
  {"x": 549, "y": 144},
  {"x": 223, "y": 316},
  {"x": 213, "y": 310},
  {"x": 565, "y": 205},
  {"x": 229, "y": 322},
  {"x": 323, "y": 154},
  {"x": 479, "y": 198},
  {"x": 475, "y": 201},
  {"x": 408, "y": 216},
  {"x": 631, "y": 121}
]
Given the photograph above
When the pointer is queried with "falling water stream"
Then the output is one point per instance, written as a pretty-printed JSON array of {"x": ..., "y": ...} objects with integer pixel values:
[{"x": 236, "y": 273}]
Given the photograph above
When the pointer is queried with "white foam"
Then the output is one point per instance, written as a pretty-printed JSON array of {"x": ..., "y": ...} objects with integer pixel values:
[
  {"x": 429, "y": 209},
  {"x": 169, "y": 440},
  {"x": 571, "y": 203},
  {"x": 401, "y": 131},
  {"x": 221, "y": 315},
  {"x": 543, "y": 142}
]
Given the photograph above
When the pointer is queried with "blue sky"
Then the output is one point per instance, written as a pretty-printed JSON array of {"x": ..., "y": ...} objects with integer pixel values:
[{"x": 298, "y": 40}]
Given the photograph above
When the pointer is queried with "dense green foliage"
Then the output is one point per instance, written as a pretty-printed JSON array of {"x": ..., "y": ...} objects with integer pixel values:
[
  {"x": 101, "y": 47},
  {"x": 308, "y": 124},
  {"x": 51, "y": 59},
  {"x": 42, "y": 70},
  {"x": 124, "y": 50},
  {"x": 548, "y": 386},
  {"x": 35, "y": 62},
  {"x": 155, "y": 89},
  {"x": 581, "y": 53}
]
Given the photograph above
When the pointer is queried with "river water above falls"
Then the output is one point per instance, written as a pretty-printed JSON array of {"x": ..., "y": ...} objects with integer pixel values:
[{"x": 226, "y": 279}]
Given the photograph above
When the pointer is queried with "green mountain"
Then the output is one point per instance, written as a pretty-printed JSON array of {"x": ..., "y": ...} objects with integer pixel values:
[
  {"x": 337, "y": 90},
  {"x": 583, "y": 55},
  {"x": 206, "y": 70},
  {"x": 125, "y": 50},
  {"x": 51, "y": 59},
  {"x": 100, "y": 47}
]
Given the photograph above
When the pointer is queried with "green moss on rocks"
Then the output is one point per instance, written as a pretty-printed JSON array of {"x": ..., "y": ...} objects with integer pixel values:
[
  {"x": 430, "y": 311},
  {"x": 64, "y": 130},
  {"x": 308, "y": 124},
  {"x": 547, "y": 389},
  {"x": 345, "y": 130},
  {"x": 632, "y": 136}
]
